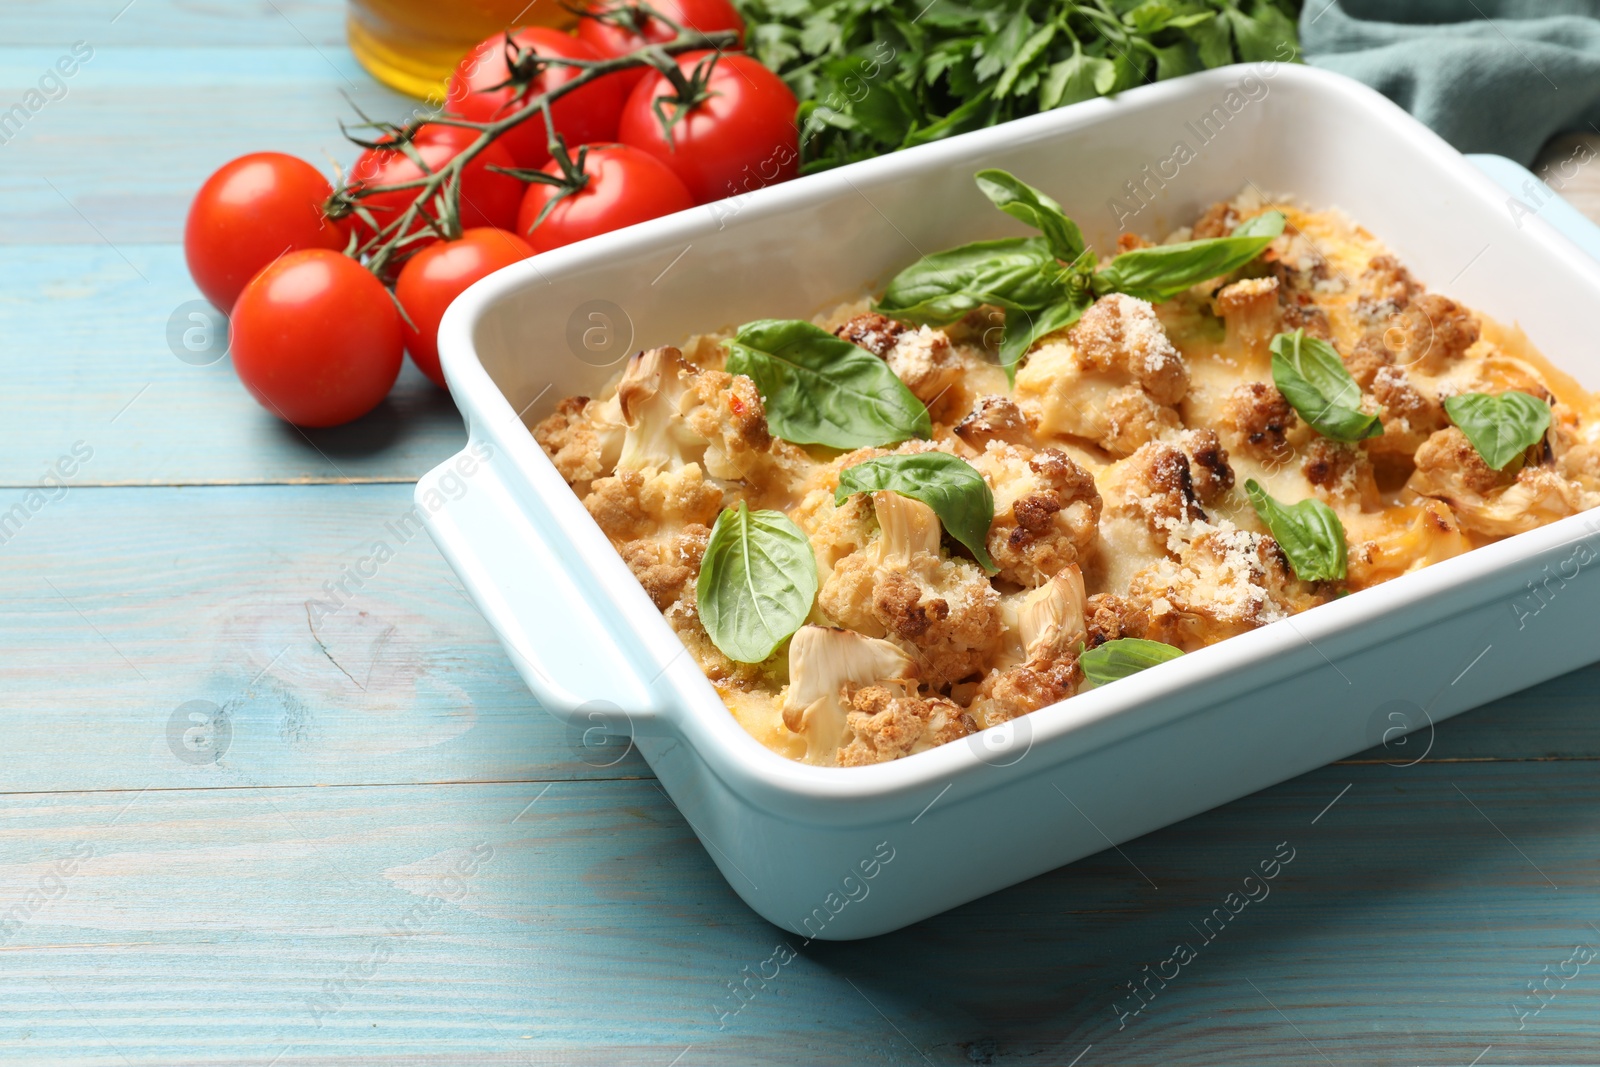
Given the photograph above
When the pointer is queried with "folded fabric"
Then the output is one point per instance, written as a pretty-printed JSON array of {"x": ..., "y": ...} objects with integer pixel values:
[{"x": 1487, "y": 76}]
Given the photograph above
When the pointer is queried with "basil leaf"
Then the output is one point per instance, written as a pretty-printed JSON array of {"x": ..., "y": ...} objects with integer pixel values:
[
  {"x": 1122, "y": 657},
  {"x": 1501, "y": 427},
  {"x": 821, "y": 390},
  {"x": 1022, "y": 201},
  {"x": 1014, "y": 272},
  {"x": 948, "y": 484},
  {"x": 1310, "y": 534},
  {"x": 1023, "y": 328},
  {"x": 757, "y": 582},
  {"x": 1312, "y": 377},
  {"x": 1163, "y": 271}
]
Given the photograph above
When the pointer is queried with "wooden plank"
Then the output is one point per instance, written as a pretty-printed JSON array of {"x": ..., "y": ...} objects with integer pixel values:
[
  {"x": 164, "y": 23},
  {"x": 121, "y": 606},
  {"x": 204, "y": 926},
  {"x": 87, "y": 358},
  {"x": 117, "y": 158}
]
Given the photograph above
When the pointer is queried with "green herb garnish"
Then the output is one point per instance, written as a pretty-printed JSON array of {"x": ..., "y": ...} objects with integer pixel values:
[
  {"x": 948, "y": 484},
  {"x": 1045, "y": 283},
  {"x": 757, "y": 582},
  {"x": 1312, "y": 377},
  {"x": 1122, "y": 657},
  {"x": 1502, "y": 426},
  {"x": 1161, "y": 272},
  {"x": 1310, "y": 534},
  {"x": 822, "y": 390},
  {"x": 873, "y": 77}
]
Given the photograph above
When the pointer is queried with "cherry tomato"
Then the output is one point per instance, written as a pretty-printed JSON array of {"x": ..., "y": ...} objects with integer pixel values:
[
  {"x": 741, "y": 136},
  {"x": 625, "y": 186},
  {"x": 316, "y": 339},
  {"x": 250, "y": 212},
  {"x": 585, "y": 115},
  {"x": 608, "y": 39},
  {"x": 438, "y": 274},
  {"x": 488, "y": 198}
]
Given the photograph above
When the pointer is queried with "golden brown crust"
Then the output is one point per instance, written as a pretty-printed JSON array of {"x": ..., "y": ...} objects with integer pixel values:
[
  {"x": 1258, "y": 419},
  {"x": 1111, "y": 617},
  {"x": 1433, "y": 332},
  {"x": 570, "y": 441},
  {"x": 1387, "y": 287},
  {"x": 1369, "y": 356},
  {"x": 874, "y": 332},
  {"x": 1218, "y": 220},
  {"x": 1209, "y": 470},
  {"x": 1120, "y": 333},
  {"x": 665, "y": 567},
  {"x": 1047, "y": 511},
  {"x": 888, "y": 722},
  {"x": 993, "y": 418},
  {"x": 1116, "y": 511}
]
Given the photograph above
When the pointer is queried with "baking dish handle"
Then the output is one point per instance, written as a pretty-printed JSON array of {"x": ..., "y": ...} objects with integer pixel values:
[{"x": 516, "y": 576}]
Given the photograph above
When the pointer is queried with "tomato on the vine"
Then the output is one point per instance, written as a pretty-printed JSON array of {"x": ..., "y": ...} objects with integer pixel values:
[
  {"x": 731, "y": 124},
  {"x": 477, "y": 92},
  {"x": 623, "y": 186},
  {"x": 316, "y": 339},
  {"x": 250, "y": 212},
  {"x": 438, "y": 274},
  {"x": 638, "y": 28},
  {"x": 488, "y": 198}
]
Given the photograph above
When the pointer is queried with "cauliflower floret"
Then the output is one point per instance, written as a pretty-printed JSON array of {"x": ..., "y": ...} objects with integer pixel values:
[
  {"x": 1487, "y": 501},
  {"x": 1052, "y": 630},
  {"x": 633, "y": 504},
  {"x": 1575, "y": 457},
  {"x": 1046, "y": 511},
  {"x": 1109, "y": 617},
  {"x": 1431, "y": 333},
  {"x": 664, "y": 566},
  {"x": 942, "y": 611},
  {"x": 1301, "y": 269},
  {"x": 1367, "y": 358},
  {"x": 1225, "y": 581},
  {"x": 1115, "y": 382},
  {"x": 1209, "y": 470},
  {"x": 1410, "y": 412},
  {"x": 1250, "y": 309},
  {"x": 678, "y": 414},
  {"x": 889, "y": 720},
  {"x": 1386, "y": 288},
  {"x": 1341, "y": 473},
  {"x": 993, "y": 418},
  {"x": 1218, "y": 220},
  {"x": 920, "y": 356},
  {"x": 1155, "y": 488},
  {"x": 1257, "y": 420},
  {"x": 824, "y": 666},
  {"x": 583, "y": 438}
]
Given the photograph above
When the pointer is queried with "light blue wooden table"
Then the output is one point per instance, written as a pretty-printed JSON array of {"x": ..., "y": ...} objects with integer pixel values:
[{"x": 399, "y": 859}]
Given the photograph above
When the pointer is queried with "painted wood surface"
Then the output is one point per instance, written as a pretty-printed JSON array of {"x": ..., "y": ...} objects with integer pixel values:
[
  {"x": 399, "y": 859},
  {"x": 579, "y": 922}
]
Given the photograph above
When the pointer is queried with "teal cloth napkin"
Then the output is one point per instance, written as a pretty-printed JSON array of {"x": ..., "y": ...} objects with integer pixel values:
[{"x": 1500, "y": 76}]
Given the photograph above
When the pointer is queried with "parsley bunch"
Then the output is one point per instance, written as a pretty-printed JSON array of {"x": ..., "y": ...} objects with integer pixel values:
[{"x": 878, "y": 75}]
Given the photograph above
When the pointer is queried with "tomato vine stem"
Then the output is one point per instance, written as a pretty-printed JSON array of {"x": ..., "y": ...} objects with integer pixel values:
[{"x": 436, "y": 210}]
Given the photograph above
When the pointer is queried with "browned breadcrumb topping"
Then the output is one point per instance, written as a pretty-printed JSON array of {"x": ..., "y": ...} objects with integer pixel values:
[{"x": 1116, "y": 464}]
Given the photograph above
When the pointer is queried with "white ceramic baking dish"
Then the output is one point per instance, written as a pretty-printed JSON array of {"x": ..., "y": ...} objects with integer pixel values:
[{"x": 848, "y": 853}]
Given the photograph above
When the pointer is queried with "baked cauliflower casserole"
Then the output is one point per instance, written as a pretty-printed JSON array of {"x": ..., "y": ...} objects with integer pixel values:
[{"x": 1025, "y": 471}]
